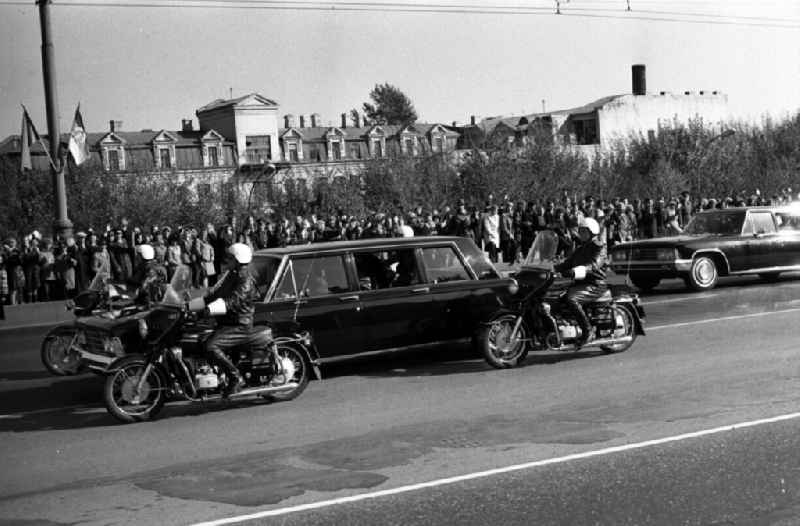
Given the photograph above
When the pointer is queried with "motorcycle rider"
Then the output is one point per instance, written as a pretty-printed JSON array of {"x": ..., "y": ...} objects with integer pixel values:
[
  {"x": 586, "y": 265},
  {"x": 149, "y": 277},
  {"x": 233, "y": 297}
]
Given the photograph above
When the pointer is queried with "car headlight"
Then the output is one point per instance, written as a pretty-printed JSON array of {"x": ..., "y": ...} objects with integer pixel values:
[
  {"x": 143, "y": 330},
  {"x": 665, "y": 254}
]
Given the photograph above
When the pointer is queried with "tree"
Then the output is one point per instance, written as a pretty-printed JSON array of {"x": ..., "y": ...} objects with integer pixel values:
[{"x": 389, "y": 106}]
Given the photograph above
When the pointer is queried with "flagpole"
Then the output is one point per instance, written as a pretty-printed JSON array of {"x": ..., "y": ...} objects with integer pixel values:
[{"x": 62, "y": 226}]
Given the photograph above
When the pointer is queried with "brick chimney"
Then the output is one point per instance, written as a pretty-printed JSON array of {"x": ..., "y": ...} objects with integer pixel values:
[
  {"x": 357, "y": 122},
  {"x": 288, "y": 121},
  {"x": 186, "y": 125},
  {"x": 302, "y": 121},
  {"x": 115, "y": 126},
  {"x": 344, "y": 120},
  {"x": 316, "y": 120},
  {"x": 472, "y": 120}
]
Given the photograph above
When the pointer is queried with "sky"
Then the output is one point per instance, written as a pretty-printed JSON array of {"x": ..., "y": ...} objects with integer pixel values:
[{"x": 151, "y": 67}]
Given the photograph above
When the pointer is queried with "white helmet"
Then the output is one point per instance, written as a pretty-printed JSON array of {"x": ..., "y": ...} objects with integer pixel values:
[
  {"x": 147, "y": 252},
  {"x": 591, "y": 224},
  {"x": 241, "y": 253}
]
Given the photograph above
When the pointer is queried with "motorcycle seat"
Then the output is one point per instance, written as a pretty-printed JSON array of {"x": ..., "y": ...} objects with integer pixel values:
[{"x": 605, "y": 298}]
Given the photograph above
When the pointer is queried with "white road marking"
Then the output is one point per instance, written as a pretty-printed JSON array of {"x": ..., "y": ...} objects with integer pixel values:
[
  {"x": 713, "y": 320},
  {"x": 673, "y": 300},
  {"x": 497, "y": 471}
]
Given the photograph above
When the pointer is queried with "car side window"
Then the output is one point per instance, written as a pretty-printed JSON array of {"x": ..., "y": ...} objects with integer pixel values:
[
  {"x": 763, "y": 223},
  {"x": 788, "y": 222},
  {"x": 312, "y": 277},
  {"x": 382, "y": 269},
  {"x": 442, "y": 264}
]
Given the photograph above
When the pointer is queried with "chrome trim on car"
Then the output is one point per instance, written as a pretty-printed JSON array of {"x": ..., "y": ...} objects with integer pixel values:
[
  {"x": 334, "y": 359},
  {"x": 700, "y": 252},
  {"x": 765, "y": 270}
]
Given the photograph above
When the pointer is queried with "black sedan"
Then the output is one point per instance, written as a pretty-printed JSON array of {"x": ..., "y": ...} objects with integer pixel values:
[{"x": 734, "y": 241}]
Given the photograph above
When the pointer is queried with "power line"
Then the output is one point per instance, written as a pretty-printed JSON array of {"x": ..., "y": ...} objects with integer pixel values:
[{"x": 400, "y": 7}]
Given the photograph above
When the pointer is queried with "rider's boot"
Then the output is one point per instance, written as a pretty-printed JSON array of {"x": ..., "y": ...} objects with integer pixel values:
[{"x": 235, "y": 380}]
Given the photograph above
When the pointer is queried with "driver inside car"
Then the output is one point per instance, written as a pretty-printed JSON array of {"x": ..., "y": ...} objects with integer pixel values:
[{"x": 586, "y": 266}]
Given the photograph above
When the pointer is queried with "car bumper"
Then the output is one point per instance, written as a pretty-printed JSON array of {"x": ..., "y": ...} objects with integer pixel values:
[{"x": 661, "y": 268}]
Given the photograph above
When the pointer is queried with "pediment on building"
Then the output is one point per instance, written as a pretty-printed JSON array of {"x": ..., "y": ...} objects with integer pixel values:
[
  {"x": 334, "y": 132},
  {"x": 292, "y": 133},
  {"x": 165, "y": 136},
  {"x": 212, "y": 136},
  {"x": 409, "y": 130},
  {"x": 112, "y": 138},
  {"x": 376, "y": 131}
]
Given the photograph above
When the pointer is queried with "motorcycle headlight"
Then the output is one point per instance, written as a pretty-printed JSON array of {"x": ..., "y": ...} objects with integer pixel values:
[
  {"x": 665, "y": 254},
  {"x": 143, "y": 330},
  {"x": 619, "y": 255},
  {"x": 113, "y": 346},
  {"x": 513, "y": 287}
]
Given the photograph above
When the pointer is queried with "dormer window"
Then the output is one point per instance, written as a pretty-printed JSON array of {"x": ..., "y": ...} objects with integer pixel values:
[
  {"x": 293, "y": 156},
  {"x": 213, "y": 155},
  {"x": 336, "y": 150},
  {"x": 377, "y": 148},
  {"x": 112, "y": 148},
  {"x": 438, "y": 144},
  {"x": 335, "y": 138},
  {"x": 164, "y": 150},
  {"x": 164, "y": 158}
]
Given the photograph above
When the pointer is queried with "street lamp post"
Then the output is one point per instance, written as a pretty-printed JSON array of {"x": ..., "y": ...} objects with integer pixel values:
[{"x": 62, "y": 226}]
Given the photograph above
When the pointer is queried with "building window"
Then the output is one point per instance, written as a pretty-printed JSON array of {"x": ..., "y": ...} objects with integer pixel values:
[
  {"x": 258, "y": 149},
  {"x": 203, "y": 191},
  {"x": 336, "y": 150},
  {"x": 438, "y": 144},
  {"x": 165, "y": 158},
  {"x": 355, "y": 151},
  {"x": 409, "y": 142},
  {"x": 586, "y": 132},
  {"x": 113, "y": 160},
  {"x": 377, "y": 148},
  {"x": 213, "y": 156},
  {"x": 293, "y": 155}
]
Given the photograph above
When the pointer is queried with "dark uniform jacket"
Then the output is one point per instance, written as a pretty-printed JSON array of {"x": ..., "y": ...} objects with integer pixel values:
[
  {"x": 591, "y": 255},
  {"x": 237, "y": 288}
]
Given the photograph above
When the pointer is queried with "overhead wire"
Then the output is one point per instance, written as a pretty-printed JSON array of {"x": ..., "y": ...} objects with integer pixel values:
[{"x": 565, "y": 8}]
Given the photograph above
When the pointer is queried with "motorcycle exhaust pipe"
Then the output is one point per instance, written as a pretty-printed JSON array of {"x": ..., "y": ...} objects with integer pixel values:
[
  {"x": 264, "y": 390},
  {"x": 593, "y": 343}
]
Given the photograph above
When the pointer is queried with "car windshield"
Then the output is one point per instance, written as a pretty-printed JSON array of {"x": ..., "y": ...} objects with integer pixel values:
[
  {"x": 543, "y": 252},
  {"x": 179, "y": 288},
  {"x": 716, "y": 223}
]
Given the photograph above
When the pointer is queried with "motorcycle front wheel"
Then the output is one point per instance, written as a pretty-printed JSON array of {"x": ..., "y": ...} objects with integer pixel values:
[
  {"x": 57, "y": 356},
  {"x": 127, "y": 399},
  {"x": 628, "y": 329},
  {"x": 500, "y": 349},
  {"x": 298, "y": 369}
]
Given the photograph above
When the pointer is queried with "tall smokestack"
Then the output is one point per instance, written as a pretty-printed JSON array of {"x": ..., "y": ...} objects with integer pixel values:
[{"x": 639, "y": 79}]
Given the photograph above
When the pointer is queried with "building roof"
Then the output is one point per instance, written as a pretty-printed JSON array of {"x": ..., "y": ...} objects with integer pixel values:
[
  {"x": 317, "y": 133},
  {"x": 11, "y": 144},
  {"x": 224, "y": 103},
  {"x": 490, "y": 123}
]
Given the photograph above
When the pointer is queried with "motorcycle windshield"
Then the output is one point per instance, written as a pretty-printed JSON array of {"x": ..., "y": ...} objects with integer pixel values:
[
  {"x": 99, "y": 282},
  {"x": 179, "y": 288},
  {"x": 542, "y": 254}
]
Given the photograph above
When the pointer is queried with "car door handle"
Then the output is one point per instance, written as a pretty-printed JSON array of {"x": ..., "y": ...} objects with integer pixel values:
[
  {"x": 421, "y": 290},
  {"x": 354, "y": 297}
]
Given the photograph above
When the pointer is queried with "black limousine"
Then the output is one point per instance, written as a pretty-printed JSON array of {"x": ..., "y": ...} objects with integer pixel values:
[
  {"x": 733, "y": 241},
  {"x": 378, "y": 295}
]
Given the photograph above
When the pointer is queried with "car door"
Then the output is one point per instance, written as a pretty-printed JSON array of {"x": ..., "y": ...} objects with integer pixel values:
[
  {"x": 763, "y": 245},
  {"x": 453, "y": 289},
  {"x": 315, "y": 291},
  {"x": 397, "y": 302},
  {"x": 789, "y": 234}
]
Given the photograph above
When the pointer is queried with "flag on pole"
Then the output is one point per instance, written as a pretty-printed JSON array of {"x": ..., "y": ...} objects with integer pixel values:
[
  {"x": 77, "y": 139},
  {"x": 28, "y": 137}
]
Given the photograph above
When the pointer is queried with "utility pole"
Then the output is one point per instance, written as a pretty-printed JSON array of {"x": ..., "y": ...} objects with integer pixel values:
[{"x": 62, "y": 226}]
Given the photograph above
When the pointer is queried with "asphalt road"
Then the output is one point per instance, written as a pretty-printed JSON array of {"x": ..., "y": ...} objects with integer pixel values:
[{"x": 403, "y": 426}]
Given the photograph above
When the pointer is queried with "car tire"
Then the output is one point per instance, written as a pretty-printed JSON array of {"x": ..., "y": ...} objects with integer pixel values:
[
  {"x": 645, "y": 282},
  {"x": 703, "y": 275},
  {"x": 770, "y": 277}
]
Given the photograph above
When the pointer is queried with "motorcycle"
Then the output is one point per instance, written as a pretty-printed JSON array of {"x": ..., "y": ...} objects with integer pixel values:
[
  {"x": 174, "y": 363},
  {"x": 539, "y": 320},
  {"x": 105, "y": 323}
]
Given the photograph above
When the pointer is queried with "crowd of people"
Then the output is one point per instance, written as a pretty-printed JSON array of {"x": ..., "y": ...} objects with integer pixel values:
[{"x": 35, "y": 268}]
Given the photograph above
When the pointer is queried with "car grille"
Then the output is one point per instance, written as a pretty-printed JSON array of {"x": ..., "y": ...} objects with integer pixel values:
[{"x": 645, "y": 254}]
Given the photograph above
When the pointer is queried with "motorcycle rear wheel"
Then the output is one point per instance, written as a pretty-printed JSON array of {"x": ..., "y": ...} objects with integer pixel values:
[
  {"x": 56, "y": 355},
  {"x": 628, "y": 329},
  {"x": 120, "y": 396},
  {"x": 494, "y": 342},
  {"x": 300, "y": 375}
]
